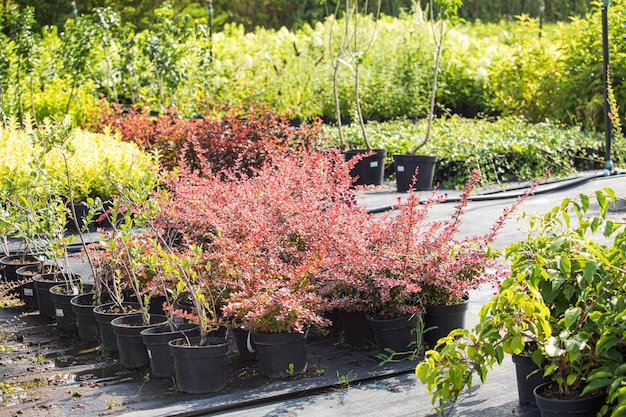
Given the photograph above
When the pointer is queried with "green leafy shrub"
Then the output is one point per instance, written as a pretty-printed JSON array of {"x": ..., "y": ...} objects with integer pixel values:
[{"x": 565, "y": 294}]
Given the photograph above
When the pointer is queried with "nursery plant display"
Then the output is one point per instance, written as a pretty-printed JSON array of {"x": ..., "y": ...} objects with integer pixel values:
[
  {"x": 491, "y": 69},
  {"x": 564, "y": 295},
  {"x": 235, "y": 217}
]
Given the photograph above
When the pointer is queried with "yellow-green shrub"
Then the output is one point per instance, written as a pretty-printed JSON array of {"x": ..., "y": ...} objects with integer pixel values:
[{"x": 98, "y": 162}]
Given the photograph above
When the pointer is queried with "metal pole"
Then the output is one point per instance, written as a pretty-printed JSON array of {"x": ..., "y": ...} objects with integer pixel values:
[
  {"x": 542, "y": 8},
  {"x": 608, "y": 124},
  {"x": 210, "y": 11},
  {"x": 74, "y": 10}
]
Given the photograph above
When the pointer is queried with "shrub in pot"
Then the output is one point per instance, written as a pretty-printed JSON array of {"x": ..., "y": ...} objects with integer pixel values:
[
  {"x": 128, "y": 256},
  {"x": 565, "y": 294},
  {"x": 278, "y": 314},
  {"x": 200, "y": 363},
  {"x": 268, "y": 235},
  {"x": 396, "y": 265},
  {"x": 416, "y": 171}
]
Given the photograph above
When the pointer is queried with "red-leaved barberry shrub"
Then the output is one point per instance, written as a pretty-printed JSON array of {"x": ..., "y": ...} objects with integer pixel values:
[
  {"x": 398, "y": 262},
  {"x": 228, "y": 137},
  {"x": 270, "y": 233},
  {"x": 291, "y": 242}
]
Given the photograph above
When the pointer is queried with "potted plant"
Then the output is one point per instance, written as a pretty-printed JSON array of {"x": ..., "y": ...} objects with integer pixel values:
[
  {"x": 274, "y": 247},
  {"x": 401, "y": 264},
  {"x": 200, "y": 362},
  {"x": 350, "y": 48},
  {"x": 131, "y": 252},
  {"x": 565, "y": 294},
  {"x": 269, "y": 235},
  {"x": 126, "y": 272},
  {"x": 416, "y": 171}
]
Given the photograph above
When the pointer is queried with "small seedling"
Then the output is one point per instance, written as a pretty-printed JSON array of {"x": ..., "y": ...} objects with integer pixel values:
[
  {"x": 6, "y": 388},
  {"x": 104, "y": 354},
  {"x": 6, "y": 349},
  {"x": 344, "y": 381},
  {"x": 291, "y": 370},
  {"x": 111, "y": 402},
  {"x": 41, "y": 358}
]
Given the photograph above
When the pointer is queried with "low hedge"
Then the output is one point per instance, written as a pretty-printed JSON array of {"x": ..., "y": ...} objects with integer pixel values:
[{"x": 504, "y": 149}]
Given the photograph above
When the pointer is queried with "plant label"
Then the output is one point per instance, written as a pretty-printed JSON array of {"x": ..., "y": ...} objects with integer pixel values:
[
  {"x": 374, "y": 164},
  {"x": 400, "y": 168},
  {"x": 28, "y": 292},
  {"x": 59, "y": 312}
]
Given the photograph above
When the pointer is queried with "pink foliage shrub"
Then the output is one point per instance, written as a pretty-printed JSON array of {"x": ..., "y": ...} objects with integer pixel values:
[{"x": 293, "y": 242}]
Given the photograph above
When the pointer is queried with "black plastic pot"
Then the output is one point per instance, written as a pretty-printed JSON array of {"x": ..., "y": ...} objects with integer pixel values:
[
  {"x": 132, "y": 351},
  {"x": 63, "y": 311},
  {"x": 357, "y": 332},
  {"x": 578, "y": 407},
  {"x": 406, "y": 166},
  {"x": 528, "y": 377},
  {"x": 200, "y": 369},
  {"x": 85, "y": 318},
  {"x": 157, "y": 341},
  {"x": 439, "y": 320},
  {"x": 104, "y": 314},
  {"x": 81, "y": 210},
  {"x": 243, "y": 341},
  {"x": 281, "y": 355},
  {"x": 371, "y": 169},
  {"x": 402, "y": 335},
  {"x": 42, "y": 284},
  {"x": 27, "y": 289}
]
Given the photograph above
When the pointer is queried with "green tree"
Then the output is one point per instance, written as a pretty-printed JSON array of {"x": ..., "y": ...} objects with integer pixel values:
[
  {"x": 18, "y": 24},
  {"x": 6, "y": 75},
  {"x": 163, "y": 44}
]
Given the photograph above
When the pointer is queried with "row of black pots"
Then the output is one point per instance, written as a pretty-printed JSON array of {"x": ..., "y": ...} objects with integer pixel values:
[
  {"x": 48, "y": 290},
  {"x": 280, "y": 355},
  {"x": 169, "y": 353},
  {"x": 370, "y": 170},
  {"x": 197, "y": 369},
  {"x": 405, "y": 334},
  {"x": 177, "y": 352}
]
